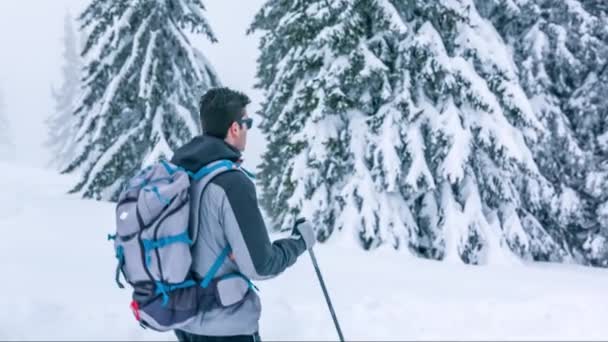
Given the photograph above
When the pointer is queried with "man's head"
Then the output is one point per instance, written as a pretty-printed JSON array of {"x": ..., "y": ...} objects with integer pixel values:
[{"x": 223, "y": 115}]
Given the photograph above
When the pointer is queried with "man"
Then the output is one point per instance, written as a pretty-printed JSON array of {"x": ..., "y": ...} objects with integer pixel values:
[{"x": 229, "y": 216}]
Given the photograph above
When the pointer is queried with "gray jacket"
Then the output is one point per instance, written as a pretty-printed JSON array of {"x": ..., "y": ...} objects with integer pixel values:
[{"x": 227, "y": 214}]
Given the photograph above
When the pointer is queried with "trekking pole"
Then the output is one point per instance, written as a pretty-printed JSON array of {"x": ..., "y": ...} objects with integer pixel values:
[{"x": 331, "y": 307}]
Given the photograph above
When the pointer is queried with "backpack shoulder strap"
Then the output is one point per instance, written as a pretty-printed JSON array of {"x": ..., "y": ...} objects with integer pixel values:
[{"x": 200, "y": 179}]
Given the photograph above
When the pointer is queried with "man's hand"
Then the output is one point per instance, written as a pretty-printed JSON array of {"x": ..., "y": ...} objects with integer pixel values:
[{"x": 303, "y": 230}]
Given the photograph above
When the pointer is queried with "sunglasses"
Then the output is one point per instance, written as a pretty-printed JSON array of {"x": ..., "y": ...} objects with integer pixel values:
[{"x": 246, "y": 121}]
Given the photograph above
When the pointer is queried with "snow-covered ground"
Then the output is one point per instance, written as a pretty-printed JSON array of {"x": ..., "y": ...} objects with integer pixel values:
[{"x": 58, "y": 269}]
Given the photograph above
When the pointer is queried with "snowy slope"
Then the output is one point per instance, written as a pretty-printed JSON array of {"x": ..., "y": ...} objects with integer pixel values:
[{"x": 58, "y": 284}]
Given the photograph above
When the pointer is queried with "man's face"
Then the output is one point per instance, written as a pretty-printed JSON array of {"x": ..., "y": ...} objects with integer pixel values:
[
  {"x": 238, "y": 132},
  {"x": 242, "y": 141}
]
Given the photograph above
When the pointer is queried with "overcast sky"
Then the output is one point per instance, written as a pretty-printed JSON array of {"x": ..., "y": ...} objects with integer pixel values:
[{"x": 30, "y": 60}]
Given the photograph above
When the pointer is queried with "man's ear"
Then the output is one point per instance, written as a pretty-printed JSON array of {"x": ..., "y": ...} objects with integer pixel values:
[{"x": 234, "y": 128}]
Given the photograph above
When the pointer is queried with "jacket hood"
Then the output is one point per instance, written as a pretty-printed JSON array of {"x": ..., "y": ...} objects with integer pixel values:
[{"x": 203, "y": 150}]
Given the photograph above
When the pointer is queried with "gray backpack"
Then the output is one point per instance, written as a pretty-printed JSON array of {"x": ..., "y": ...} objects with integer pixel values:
[{"x": 153, "y": 247}]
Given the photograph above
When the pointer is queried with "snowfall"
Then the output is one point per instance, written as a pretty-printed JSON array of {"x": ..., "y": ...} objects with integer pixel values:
[{"x": 58, "y": 284}]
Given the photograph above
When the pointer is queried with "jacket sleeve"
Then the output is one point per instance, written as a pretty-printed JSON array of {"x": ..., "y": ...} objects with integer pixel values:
[{"x": 254, "y": 254}]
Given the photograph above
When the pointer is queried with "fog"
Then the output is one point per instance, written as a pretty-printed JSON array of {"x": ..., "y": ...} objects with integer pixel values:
[{"x": 31, "y": 45}]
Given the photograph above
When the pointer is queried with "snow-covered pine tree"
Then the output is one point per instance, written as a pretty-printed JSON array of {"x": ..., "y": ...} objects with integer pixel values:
[
  {"x": 141, "y": 88},
  {"x": 317, "y": 60},
  {"x": 402, "y": 121},
  {"x": 7, "y": 147},
  {"x": 591, "y": 104},
  {"x": 561, "y": 51},
  {"x": 588, "y": 106},
  {"x": 61, "y": 126}
]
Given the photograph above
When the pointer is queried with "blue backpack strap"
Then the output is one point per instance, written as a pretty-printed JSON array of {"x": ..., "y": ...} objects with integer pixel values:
[
  {"x": 171, "y": 169},
  {"x": 163, "y": 242},
  {"x": 215, "y": 267},
  {"x": 240, "y": 275},
  {"x": 205, "y": 170},
  {"x": 154, "y": 189},
  {"x": 164, "y": 289},
  {"x": 168, "y": 167},
  {"x": 121, "y": 261},
  {"x": 208, "y": 169},
  {"x": 149, "y": 245}
]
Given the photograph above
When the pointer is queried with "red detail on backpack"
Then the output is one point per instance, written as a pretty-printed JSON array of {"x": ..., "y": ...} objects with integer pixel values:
[{"x": 135, "y": 309}]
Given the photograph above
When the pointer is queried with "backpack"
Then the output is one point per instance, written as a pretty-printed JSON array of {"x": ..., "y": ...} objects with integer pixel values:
[{"x": 153, "y": 248}]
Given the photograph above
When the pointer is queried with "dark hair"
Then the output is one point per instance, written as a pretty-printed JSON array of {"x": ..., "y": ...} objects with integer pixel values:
[{"x": 219, "y": 108}]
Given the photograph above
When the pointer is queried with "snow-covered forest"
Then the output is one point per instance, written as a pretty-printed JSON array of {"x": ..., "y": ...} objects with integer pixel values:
[
  {"x": 453, "y": 152},
  {"x": 473, "y": 131},
  {"x": 455, "y": 129}
]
